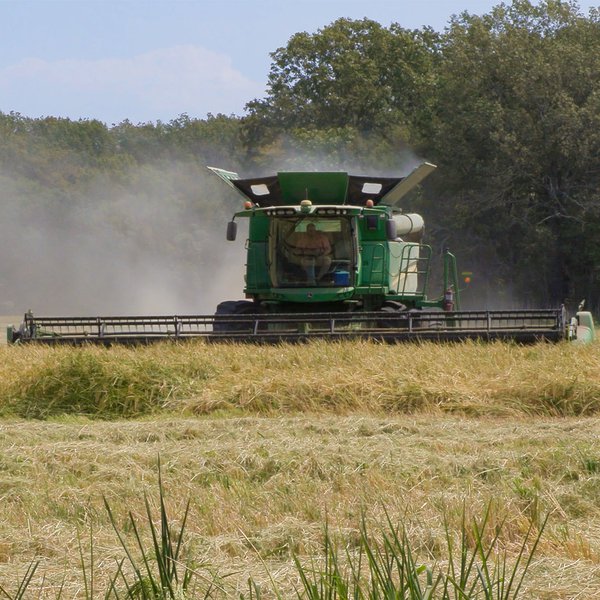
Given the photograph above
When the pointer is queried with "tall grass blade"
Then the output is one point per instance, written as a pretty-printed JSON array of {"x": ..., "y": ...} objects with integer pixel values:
[
  {"x": 23, "y": 584},
  {"x": 149, "y": 580},
  {"x": 254, "y": 592},
  {"x": 112, "y": 588},
  {"x": 529, "y": 556},
  {"x": 88, "y": 581},
  {"x": 157, "y": 576}
]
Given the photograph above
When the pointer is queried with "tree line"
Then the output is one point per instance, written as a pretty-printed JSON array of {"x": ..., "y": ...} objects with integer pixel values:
[{"x": 507, "y": 104}]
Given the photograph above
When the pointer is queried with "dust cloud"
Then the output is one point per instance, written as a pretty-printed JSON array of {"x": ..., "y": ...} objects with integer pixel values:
[
  {"x": 151, "y": 243},
  {"x": 400, "y": 164}
]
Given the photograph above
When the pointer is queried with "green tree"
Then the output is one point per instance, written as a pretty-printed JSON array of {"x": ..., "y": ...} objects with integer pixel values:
[
  {"x": 353, "y": 76},
  {"x": 515, "y": 131}
]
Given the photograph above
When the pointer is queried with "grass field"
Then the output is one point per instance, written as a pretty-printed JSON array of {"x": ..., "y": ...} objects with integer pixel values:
[{"x": 271, "y": 443}]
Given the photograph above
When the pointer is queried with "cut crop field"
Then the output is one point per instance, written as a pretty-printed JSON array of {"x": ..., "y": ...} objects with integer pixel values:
[{"x": 275, "y": 445}]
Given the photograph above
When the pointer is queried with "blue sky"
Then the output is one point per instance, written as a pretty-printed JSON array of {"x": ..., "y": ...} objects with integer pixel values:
[{"x": 153, "y": 59}]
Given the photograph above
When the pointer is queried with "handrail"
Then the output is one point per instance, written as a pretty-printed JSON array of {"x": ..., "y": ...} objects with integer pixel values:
[{"x": 420, "y": 272}]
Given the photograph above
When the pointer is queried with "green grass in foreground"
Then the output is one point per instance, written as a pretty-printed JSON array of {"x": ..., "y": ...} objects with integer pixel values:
[
  {"x": 342, "y": 378},
  {"x": 384, "y": 566}
]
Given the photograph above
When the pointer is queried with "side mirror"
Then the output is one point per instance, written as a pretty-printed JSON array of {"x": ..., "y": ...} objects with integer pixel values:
[
  {"x": 391, "y": 231},
  {"x": 231, "y": 231}
]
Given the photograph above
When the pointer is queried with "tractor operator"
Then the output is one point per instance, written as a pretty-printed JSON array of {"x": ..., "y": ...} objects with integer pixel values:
[{"x": 311, "y": 249}]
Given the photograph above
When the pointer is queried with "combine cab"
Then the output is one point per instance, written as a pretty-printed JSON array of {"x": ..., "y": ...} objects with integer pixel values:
[{"x": 328, "y": 255}]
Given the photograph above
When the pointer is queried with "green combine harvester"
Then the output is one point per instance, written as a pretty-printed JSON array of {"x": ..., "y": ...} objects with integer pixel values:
[{"x": 329, "y": 255}]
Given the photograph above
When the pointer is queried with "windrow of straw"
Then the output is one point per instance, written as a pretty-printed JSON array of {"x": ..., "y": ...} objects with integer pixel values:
[
  {"x": 319, "y": 377},
  {"x": 262, "y": 489},
  {"x": 157, "y": 564}
]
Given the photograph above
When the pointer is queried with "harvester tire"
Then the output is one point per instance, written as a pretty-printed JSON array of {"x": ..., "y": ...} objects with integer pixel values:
[
  {"x": 394, "y": 310},
  {"x": 230, "y": 309}
]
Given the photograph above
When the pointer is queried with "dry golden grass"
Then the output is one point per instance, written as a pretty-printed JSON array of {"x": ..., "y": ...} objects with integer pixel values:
[
  {"x": 267, "y": 484},
  {"x": 197, "y": 378},
  {"x": 269, "y": 441}
]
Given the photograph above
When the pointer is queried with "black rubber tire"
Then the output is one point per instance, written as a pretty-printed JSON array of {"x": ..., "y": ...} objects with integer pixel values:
[
  {"x": 397, "y": 310},
  {"x": 233, "y": 308}
]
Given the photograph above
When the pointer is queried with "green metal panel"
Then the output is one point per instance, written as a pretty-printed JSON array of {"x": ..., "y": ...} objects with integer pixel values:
[
  {"x": 373, "y": 256},
  {"x": 313, "y": 295},
  {"x": 259, "y": 228},
  {"x": 371, "y": 227},
  {"x": 373, "y": 268},
  {"x": 257, "y": 269},
  {"x": 319, "y": 188},
  {"x": 257, "y": 276}
]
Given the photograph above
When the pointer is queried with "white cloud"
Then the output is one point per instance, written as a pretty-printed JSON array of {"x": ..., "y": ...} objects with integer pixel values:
[{"x": 160, "y": 84}]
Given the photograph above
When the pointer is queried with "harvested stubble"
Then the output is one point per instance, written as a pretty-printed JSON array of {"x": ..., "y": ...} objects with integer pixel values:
[
  {"x": 267, "y": 485},
  {"x": 342, "y": 378},
  {"x": 359, "y": 426}
]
